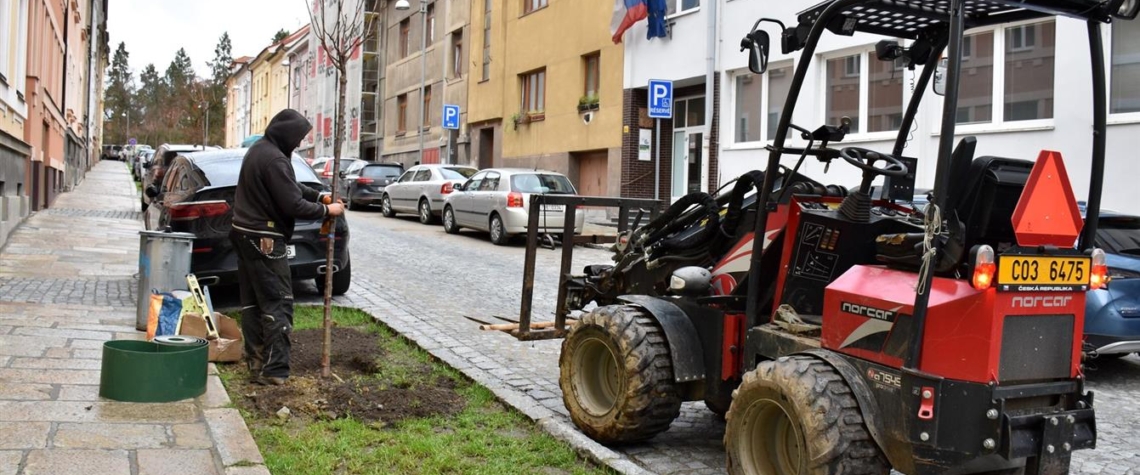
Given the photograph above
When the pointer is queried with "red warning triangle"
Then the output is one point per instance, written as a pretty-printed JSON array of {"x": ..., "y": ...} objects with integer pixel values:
[{"x": 1047, "y": 214}]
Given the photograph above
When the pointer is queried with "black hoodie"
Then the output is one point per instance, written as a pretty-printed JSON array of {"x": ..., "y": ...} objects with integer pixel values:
[{"x": 268, "y": 198}]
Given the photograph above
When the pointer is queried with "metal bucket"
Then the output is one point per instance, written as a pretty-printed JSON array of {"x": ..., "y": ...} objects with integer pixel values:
[{"x": 164, "y": 261}]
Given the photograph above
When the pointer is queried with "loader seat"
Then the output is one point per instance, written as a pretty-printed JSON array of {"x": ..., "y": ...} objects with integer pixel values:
[{"x": 986, "y": 205}]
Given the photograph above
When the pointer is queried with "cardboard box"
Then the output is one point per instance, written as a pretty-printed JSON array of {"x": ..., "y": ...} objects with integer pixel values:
[{"x": 228, "y": 347}]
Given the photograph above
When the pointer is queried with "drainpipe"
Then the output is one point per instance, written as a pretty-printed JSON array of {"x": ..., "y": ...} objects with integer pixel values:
[{"x": 710, "y": 91}]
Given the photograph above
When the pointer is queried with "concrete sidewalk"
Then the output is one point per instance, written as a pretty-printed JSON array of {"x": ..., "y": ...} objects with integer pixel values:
[{"x": 67, "y": 285}]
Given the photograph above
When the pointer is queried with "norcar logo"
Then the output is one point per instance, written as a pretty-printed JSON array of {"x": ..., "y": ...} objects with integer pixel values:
[
  {"x": 1042, "y": 301},
  {"x": 871, "y": 312}
]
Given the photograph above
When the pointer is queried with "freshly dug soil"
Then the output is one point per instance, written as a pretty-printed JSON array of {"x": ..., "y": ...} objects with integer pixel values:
[
  {"x": 358, "y": 394},
  {"x": 352, "y": 351}
]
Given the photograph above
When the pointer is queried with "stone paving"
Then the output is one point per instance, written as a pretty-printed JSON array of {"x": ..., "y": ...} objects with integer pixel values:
[
  {"x": 423, "y": 283},
  {"x": 66, "y": 286}
]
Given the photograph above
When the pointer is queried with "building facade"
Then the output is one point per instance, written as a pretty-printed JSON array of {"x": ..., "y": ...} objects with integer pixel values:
[
  {"x": 76, "y": 37},
  {"x": 46, "y": 128},
  {"x": 300, "y": 61},
  {"x": 442, "y": 68},
  {"x": 15, "y": 153},
  {"x": 238, "y": 95},
  {"x": 1011, "y": 97},
  {"x": 540, "y": 97}
]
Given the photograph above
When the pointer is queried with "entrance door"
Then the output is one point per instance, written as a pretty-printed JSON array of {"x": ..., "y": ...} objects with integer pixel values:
[
  {"x": 687, "y": 162},
  {"x": 592, "y": 174},
  {"x": 486, "y": 147}
]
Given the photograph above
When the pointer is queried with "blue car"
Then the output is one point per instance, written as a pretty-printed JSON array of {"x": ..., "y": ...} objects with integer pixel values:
[{"x": 1112, "y": 315}]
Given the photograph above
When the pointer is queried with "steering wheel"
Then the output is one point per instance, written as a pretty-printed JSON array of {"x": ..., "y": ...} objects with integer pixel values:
[{"x": 865, "y": 159}]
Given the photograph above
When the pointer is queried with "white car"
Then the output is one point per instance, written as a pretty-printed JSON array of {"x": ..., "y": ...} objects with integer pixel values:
[
  {"x": 422, "y": 189},
  {"x": 497, "y": 200}
]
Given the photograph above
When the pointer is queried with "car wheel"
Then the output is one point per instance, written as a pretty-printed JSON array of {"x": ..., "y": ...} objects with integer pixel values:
[
  {"x": 348, "y": 204},
  {"x": 386, "y": 207},
  {"x": 342, "y": 280},
  {"x": 144, "y": 205},
  {"x": 425, "y": 212},
  {"x": 499, "y": 235},
  {"x": 449, "y": 224}
]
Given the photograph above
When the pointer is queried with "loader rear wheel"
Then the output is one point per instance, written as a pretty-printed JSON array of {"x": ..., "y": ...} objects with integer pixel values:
[
  {"x": 797, "y": 416},
  {"x": 617, "y": 376}
]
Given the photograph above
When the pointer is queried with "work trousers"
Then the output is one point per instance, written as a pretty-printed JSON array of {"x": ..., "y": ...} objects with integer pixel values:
[{"x": 266, "y": 304}]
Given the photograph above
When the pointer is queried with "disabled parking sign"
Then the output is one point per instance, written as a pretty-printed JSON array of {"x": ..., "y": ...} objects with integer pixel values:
[{"x": 660, "y": 99}]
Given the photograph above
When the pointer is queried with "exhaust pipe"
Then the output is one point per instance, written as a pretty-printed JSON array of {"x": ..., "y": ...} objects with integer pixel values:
[{"x": 322, "y": 270}]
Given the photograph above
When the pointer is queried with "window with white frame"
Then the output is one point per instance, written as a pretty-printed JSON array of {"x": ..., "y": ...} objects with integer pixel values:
[
  {"x": 1125, "y": 91},
  {"x": 843, "y": 94},
  {"x": 681, "y": 6},
  {"x": 759, "y": 99},
  {"x": 5, "y": 7},
  {"x": 1024, "y": 82},
  {"x": 884, "y": 96},
  {"x": 779, "y": 85},
  {"x": 1029, "y": 68},
  {"x": 749, "y": 107}
]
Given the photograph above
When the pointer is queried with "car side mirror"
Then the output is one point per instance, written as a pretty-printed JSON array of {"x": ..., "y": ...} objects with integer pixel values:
[
  {"x": 151, "y": 191},
  {"x": 458, "y": 187},
  {"x": 757, "y": 43}
]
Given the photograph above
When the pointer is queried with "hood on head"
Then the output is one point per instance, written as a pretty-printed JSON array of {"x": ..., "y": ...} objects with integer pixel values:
[{"x": 287, "y": 129}]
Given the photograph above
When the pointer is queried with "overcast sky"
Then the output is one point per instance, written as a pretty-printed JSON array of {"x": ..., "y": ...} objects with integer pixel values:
[{"x": 153, "y": 30}]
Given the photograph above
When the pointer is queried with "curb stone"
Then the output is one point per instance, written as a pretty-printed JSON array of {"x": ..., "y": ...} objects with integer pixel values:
[{"x": 543, "y": 417}]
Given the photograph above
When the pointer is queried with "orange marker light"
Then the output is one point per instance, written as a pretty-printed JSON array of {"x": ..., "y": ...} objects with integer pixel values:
[
  {"x": 1099, "y": 276},
  {"x": 984, "y": 267}
]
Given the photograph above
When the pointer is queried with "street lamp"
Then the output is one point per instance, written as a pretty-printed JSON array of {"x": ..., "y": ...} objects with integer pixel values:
[
  {"x": 404, "y": 5},
  {"x": 205, "y": 105}
]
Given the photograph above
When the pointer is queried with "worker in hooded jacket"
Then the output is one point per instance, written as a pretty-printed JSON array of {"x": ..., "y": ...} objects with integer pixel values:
[{"x": 267, "y": 202}]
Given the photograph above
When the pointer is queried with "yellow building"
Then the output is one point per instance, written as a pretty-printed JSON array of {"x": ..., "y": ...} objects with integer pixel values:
[
  {"x": 546, "y": 89},
  {"x": 269, "y": 92}
]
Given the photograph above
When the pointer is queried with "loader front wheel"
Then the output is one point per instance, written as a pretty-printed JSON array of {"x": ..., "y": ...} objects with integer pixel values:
[
  {"x": 797, "y": 416},
  {"x": 617, "y": 376}
]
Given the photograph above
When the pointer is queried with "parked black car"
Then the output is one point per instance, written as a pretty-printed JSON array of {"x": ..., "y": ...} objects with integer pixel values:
[
  {"x": 366, "y": 187},
  {"x": 155, "y": 169},
  {"x": 197, "y": 196}
]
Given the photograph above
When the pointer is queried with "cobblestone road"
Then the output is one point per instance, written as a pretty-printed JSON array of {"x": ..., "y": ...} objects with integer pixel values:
[{"x": 423, "y": 282}]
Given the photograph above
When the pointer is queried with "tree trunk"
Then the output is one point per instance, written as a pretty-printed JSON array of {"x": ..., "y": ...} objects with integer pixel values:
[{"x": 338, "y": 141}]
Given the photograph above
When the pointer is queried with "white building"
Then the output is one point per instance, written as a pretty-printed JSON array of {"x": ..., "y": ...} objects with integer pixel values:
[
  {"x": 241, "y": 82},
  {"x": 1037, "y": 73}
]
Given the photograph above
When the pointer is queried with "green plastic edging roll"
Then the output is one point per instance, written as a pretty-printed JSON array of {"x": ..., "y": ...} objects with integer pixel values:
[{"x": 143, "y": 371}]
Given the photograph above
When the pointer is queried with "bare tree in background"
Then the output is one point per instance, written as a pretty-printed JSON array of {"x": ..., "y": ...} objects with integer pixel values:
[{"x": 339, "y": 32}]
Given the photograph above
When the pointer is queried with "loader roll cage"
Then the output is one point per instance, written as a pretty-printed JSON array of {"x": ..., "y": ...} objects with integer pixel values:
[{"x": 934, "y": 26}]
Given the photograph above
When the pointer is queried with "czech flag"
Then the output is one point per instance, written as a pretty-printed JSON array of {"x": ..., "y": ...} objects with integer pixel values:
[{"x": 628, "y": 12}]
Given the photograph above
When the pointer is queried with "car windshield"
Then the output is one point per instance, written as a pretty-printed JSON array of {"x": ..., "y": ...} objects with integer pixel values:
[
  {"x": 541, "y": 183},
  {"x": 457, "y": 173},
  {"x": 381, "y": 172},
  {"x": 224, "y": 171},
  {"x": 1119, "y": 235}
]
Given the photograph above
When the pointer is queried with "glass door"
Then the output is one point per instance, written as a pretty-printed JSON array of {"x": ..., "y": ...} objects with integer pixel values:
[{"x": 680, "y": 164}]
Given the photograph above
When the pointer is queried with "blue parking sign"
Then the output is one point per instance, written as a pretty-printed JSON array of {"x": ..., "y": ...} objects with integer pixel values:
[
  {"x": 660, "y": 99},
  {"x": 450, "y": 117}
]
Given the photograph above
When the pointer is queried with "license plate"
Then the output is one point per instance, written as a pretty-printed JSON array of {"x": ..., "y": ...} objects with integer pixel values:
[
  {"x": 1043, "y": 274},
  {"x": 553, "y": 208},
  {"x": 290, "y": 251}
]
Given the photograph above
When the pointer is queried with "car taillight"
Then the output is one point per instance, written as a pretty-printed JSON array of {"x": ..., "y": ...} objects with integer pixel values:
[
  {"x": 1099, "y": 277},
  {"x": 984, "y": 267},
  {"x": 514, "y": 200},
  {"x": 197, "y": 209},
  {"x": 363, "y": 181},
  {"x": 446, "y": 189}
]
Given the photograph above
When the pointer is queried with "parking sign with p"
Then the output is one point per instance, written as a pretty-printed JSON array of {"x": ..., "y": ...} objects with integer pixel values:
[
  {"x": 451, "y": 117},
  {"x": 660, "y": 99}
]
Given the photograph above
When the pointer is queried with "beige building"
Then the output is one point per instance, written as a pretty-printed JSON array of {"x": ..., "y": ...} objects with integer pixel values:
[
  {"x": 270, "y": 81},
  {"x": 541, "y": 97},
  {"x": 238, "y": 95},
  {"x": 444, "y": 76},
  {"x": 15, "y": 153}
]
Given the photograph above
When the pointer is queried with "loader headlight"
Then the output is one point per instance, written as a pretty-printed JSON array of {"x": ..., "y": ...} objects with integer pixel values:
[{"x": 691, "y": 281}]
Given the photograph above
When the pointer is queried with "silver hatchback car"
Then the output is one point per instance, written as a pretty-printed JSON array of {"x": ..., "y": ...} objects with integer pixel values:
[
  {"x": 497, "y": 200},
  {"x": 422, "y": 189}
]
